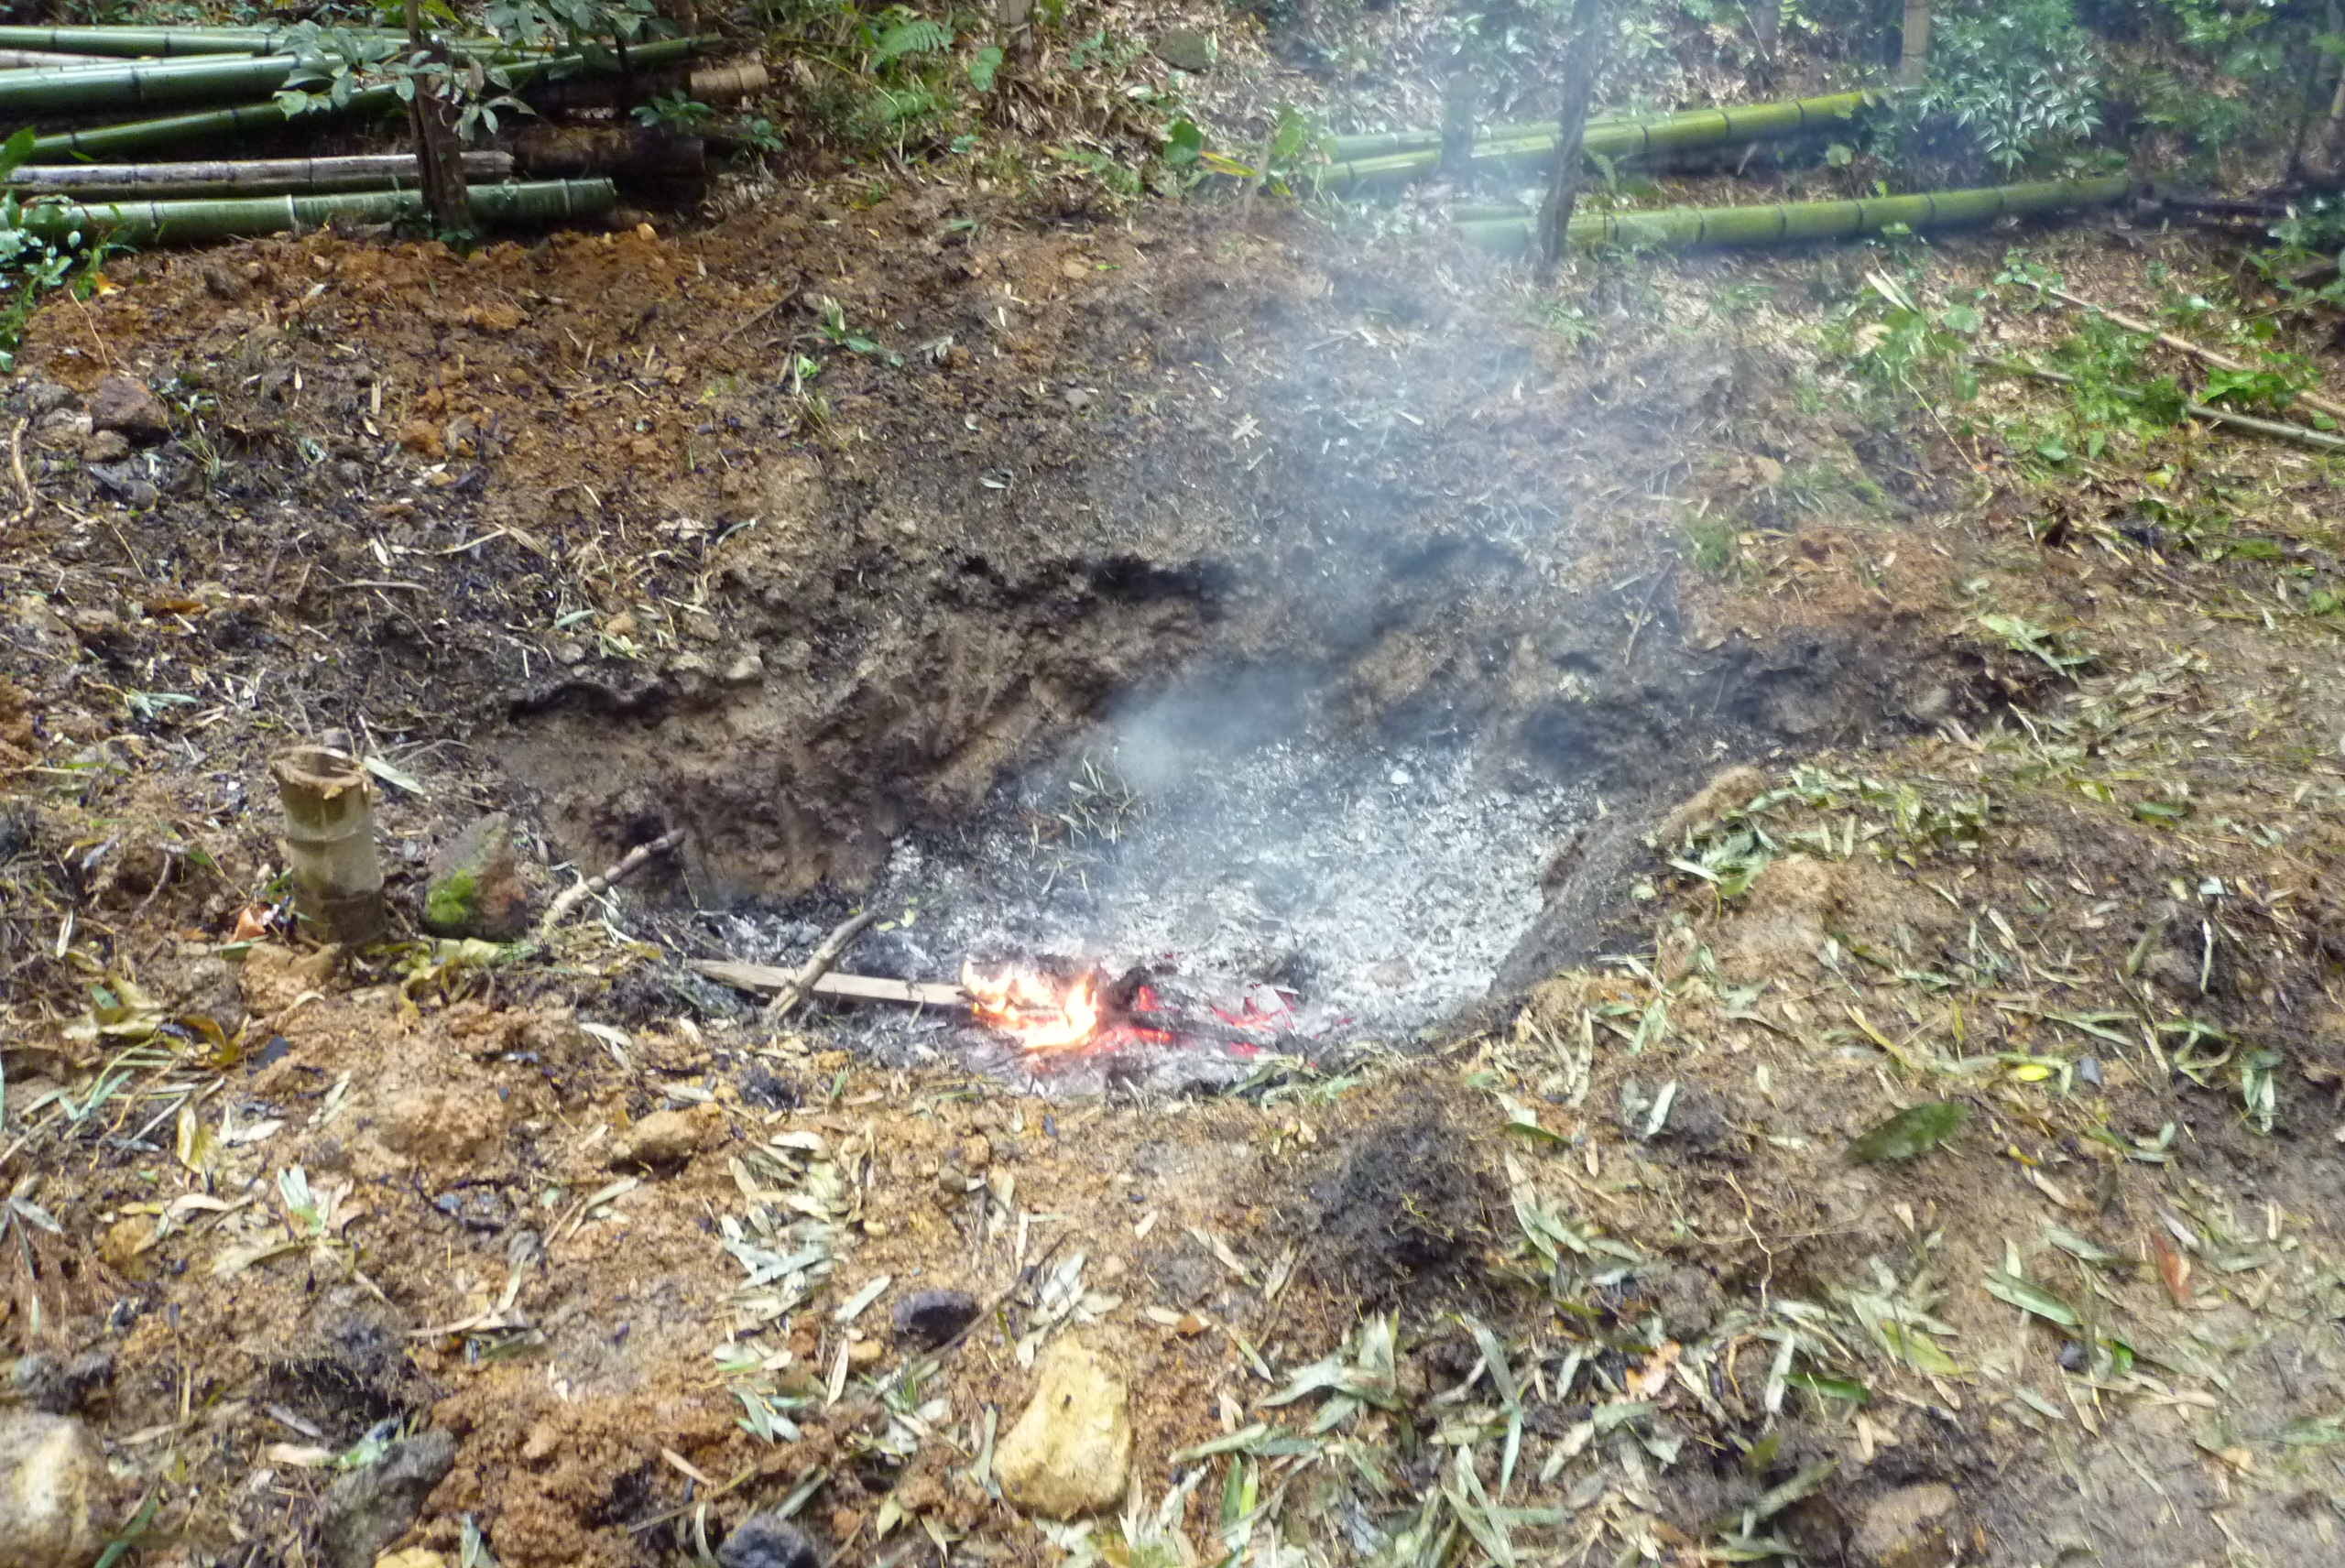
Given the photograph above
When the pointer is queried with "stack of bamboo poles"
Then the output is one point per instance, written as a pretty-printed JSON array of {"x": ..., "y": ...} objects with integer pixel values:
[
  {"x": 1380, "y": 160},
  {"x": 1364, "y": 164},
  {"x": 69, "y": 83}
]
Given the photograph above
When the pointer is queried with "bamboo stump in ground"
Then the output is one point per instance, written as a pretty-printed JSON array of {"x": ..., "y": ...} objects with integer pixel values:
[{"x": 330, "y": 839}]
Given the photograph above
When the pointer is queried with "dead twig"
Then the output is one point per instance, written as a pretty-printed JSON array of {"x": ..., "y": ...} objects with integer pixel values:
[
  {"x": 2334, "y": 410},
  {"x": 634, "y": 861},
  {"x": 16, "y": 463},
  {"x": 817, "y": 964},
  {"x": 2317, "y": 440}
]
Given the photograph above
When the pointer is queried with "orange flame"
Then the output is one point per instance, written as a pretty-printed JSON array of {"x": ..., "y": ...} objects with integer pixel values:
[{"x": 1041, "y": 1012}]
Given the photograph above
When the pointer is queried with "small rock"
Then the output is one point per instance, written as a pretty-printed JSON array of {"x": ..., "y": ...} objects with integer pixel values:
[
  {"x": 58, "y": 1502},
  {"x": 104, "y": 446},
  {"x": 476, "y": 887},
  {"x": 413, "y": 1557},
  {"x": 124, "y": 405},
  {"x": 422, "y": 437},
  {"x": 1186, "y": 49},
  {"x": 767, "y": 1541},
  {"x": 744, "y": 669},
  {"x": 1068, "y": 1453},
  {"x": 1688, "y": 1300},
  {"x": 62, "y": 427},
  {"x": 47, "y": 397},
  {"x": 123, "y": 482},
  {"x": 668, "y": 1138},
  {"x": 123, "y": 1244},
  {"x": 440, "y": 1127},
  {"x": 367, "y": 1509},
  {"x": 63, "y": 1387},
  {"x": 1912, "y": 1527},
  {"x": 931, "y": 1317},
  {"x": 208, "y": 985},
  {"x": 223, "y": 284}
]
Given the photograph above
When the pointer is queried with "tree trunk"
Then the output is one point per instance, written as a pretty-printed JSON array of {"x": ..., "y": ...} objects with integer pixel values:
[
  {"x": 1458, "y": 126},
  {"x": 1913, "y": 57},
  {"x": 2333, "y": 137},
  {"x": 2307, "y": 107},
  {"x": 1571, "y": 128},
  {"x": 1767, "y": 23},
  {"x": 439, "y": 162}
]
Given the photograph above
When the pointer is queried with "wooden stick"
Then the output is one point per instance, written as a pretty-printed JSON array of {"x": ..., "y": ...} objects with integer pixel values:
[
  {"x": 16, "y": 463},
  {"x": 2184, "y": 346},
  {"x": 845, "y": 987},
  {"x": 818, "y": 963},
  {"x": 632, "y": 862},
  {"x": 2317, "y": 440}
]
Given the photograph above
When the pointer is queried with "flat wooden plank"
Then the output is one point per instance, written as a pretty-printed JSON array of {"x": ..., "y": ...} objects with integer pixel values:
[
  {"x": 768, "y": 979},
  {"x": 869, "y": 988}
]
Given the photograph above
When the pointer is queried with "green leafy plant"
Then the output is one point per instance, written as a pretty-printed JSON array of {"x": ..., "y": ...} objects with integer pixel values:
[
  {"x": 678, "y": 111},
  {"x": 2008, "y": 84},
  {"x": 907, "y": 36},
  {"x": 34, "y": 265},
  {"x": 759, "y": 135}
]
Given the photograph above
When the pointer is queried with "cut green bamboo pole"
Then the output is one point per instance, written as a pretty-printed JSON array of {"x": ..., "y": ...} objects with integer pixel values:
[
  {"x": 1690, "y": 131},
  {"x": 241, "y": 176},
  {"x": 181, "y": 223},
  {"x": 92, "y": 84},
  {"x": 244, "y": 118},
  {"x": 1681, "y": 228},
  {"x": 80, "y": 89},
  {"x": 20, "y": 59},
  {"x": 175, "y": 42}
]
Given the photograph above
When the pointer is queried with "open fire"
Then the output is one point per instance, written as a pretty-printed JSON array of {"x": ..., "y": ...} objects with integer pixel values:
[{"x": 1049, "y": 1014}]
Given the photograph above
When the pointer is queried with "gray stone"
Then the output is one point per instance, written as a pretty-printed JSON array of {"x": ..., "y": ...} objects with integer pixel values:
[
  {"x": 58, "y": 1500},
  {"x": 62, "y": 427},
  {"x": 47, "y": 397},
  {"x": 933, "y": 1317},
  {"x": 124, "y": 405},
  {"x": 767, "y": 1541},
  {"x": 106, "y": 446},
  {"x": 370, "y": 1509},
  {"x": 1186, "y": 49}
]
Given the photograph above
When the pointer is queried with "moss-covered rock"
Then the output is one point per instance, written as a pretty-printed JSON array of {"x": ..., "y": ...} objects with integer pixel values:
[{"x": 477, "y": 889}]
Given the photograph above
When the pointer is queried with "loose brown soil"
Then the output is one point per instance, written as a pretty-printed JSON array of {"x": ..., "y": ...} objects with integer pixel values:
[{"x": 606, "y": 530}]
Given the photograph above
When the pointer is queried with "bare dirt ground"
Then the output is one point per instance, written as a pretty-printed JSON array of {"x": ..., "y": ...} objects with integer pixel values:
[{"x": 812, "y": 527}]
